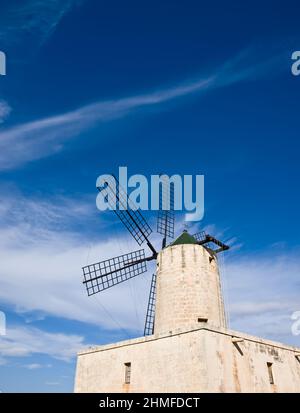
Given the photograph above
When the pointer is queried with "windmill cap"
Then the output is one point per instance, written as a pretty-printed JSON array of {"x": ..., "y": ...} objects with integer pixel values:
[{"x": 184, "y": 238}]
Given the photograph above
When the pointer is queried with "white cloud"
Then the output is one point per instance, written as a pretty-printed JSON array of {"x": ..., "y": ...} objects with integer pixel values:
[
  {"x": 262, "y": 293},
  {"x": 40, "y": 138},
  {"x": 41, "y": 271},
  {"x": 25, "y": 341},
  {"x": 36, "y": 366}
]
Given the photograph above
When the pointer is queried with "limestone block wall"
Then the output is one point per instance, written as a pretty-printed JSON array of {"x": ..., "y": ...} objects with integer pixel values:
[
  {"x": 195, "y": 360},
  {"x": 188, "y": 288}
]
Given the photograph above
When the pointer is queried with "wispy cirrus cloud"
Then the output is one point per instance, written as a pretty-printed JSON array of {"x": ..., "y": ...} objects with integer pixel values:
[
  {"x": 31, "y": 21},
  {"x": 26, "y": 341},
  {"x": 36, "y": 366},
  {"x": 40, "y": 138},
  {"x": 36, "y": 248}
]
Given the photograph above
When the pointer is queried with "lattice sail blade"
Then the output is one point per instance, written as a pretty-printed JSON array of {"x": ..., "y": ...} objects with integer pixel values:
[
  {"x": 200, "y": 236},
  {"x": 165, "y": 223},
  {"x": 105, "y": 274},
  {"x": 210, "y": 242},
  {"x": 125, "y": 209},
  {"x": 166, "y": 215},
  {"x": 150, "y": 317}
]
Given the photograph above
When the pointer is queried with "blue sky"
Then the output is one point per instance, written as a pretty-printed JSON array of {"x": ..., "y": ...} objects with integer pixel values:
[{"x": 180, "y": 87}]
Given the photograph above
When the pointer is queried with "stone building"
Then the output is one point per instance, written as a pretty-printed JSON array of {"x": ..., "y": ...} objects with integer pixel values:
[{"x": 191, "y": 349}]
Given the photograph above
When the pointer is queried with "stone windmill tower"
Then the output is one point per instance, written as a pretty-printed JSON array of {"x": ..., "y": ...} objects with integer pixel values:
[
  {"x": 188, "y": 286},
  {"x": 187, "y": 346}
]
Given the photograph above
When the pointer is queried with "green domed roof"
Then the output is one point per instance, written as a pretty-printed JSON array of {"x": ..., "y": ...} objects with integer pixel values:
[{"x": 184, "y": 238}]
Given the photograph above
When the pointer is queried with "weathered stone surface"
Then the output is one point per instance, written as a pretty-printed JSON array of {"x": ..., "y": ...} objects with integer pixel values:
[{"x": 188, "y": 288}]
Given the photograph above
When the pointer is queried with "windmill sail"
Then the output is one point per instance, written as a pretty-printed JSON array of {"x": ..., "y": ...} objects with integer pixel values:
[
  {"x": 200, "y": 236},
  {"x": 150, "y": 317},
  {"x": 166, "y": 215},
  {"x": 210, "y": 242},
  {"x": 106, "y": 274},
  {"x": 128, "y": 213}
]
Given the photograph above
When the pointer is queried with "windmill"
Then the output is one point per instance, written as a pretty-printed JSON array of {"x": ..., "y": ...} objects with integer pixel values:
[{"x": 105, "y": 274}]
